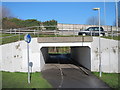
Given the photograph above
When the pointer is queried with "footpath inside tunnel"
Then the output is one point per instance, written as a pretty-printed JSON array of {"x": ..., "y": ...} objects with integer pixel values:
[{"x": 65, "y": 70}]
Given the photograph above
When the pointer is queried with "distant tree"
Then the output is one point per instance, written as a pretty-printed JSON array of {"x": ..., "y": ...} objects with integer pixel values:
[
  {"x": 32, "y": 22},
  {"x": 6, "y": 12},
  {"x": 119, "y": 21},
  {"x": 50, "y": 23},
  {"x": 7, "y": 24},
  {"x": 18, "y": 23},
  {"x": 114, "y": 24},
  {"x": 93, "y": 20}
]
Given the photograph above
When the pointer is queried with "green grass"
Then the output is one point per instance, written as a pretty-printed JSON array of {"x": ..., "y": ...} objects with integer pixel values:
[
  {"x": 10, "y": 39},
  {"x": 15, "y": 38},
  {"x": 0, "y": 80},
  {"x": 114, "y": 38},
  {"x": 59, "y": 50},
  {"x": 59, "y": 36},
  {"x": 4, "y": 35},
  {"x": 21, "y": 37},
  {"x": 109, "y": 78},
  {"x": 58, "y": 53},
  {"x": 19, "y": 80}
]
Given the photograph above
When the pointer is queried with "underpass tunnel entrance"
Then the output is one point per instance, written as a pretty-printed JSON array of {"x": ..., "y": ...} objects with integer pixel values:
[
  {"x": 67, "y": 55},
  {"x": 59, "y": 55},
  {"x": 82, "y": 55}
]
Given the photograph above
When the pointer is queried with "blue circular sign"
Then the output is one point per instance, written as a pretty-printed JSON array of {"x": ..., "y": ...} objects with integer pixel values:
[{"x": 27, "y": 38}]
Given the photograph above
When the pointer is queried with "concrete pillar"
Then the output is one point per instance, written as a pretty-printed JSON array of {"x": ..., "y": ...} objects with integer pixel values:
[{"x": 82, "y": 55}]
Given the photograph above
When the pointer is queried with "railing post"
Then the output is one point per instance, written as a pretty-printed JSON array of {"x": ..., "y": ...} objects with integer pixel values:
[
  {"x": 38, "y": 31},
  {"x": 15, "y": 31},
  {"x": 34, "y": 31},
  {"x": 10, "y": 31},
  {"x": 73, "y": 29},
  {"x": 19, "y": 34},
  {"x": 112, "y": 33}
]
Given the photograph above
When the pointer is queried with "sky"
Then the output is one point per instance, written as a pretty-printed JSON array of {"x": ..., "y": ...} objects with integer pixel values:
[{"x": 63, "y": 12}]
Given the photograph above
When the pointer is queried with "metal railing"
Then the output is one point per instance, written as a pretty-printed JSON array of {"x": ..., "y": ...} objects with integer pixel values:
[{"x": 41, "y": 31}]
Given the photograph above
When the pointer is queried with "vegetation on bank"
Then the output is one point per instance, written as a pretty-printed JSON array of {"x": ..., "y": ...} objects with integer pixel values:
[
  {"x": 112, "y": 79},
  {"x": 19, "y": 80},
  {"x": 8, "y": 38},
  {"x": 13, "y": 23},
  {"x": 114, "y": 37},
  {"x": 59, "y": 50}
]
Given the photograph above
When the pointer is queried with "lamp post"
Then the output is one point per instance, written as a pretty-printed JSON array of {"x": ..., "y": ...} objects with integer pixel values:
[
  {"x": 104, "y": 12},
  {"x": 99, "y": 48},
  {"x": 116, "y": 4}
]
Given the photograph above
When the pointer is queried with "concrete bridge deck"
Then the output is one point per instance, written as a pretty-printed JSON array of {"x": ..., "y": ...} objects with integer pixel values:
[{"x": 64, "y": 39}]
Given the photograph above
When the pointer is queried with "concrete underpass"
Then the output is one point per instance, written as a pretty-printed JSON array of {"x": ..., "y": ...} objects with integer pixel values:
[
  {"x": 79, "y": 55},
  {"x": 109, "y": 55},
  {"x": 70, "y": 70}
]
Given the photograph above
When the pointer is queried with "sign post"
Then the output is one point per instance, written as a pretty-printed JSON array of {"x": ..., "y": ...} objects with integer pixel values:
[{"x": 27, "y": 39}]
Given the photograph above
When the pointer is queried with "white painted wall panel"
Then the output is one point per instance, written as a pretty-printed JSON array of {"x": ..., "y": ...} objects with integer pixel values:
[{"x": 14, "y": 55}]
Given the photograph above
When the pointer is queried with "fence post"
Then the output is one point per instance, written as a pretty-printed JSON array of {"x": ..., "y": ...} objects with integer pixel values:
[
  {"x": 15, "y": 31},
  {"x": 107, "y": 32},
  {"x": 19, "y": 34},
  {"x": 10, "y": 31},
  {"x": 112, "y": 32},
  {"x": 62, "y": 28},
  {"x": 34, "y": 31},
  {"x": 73, "y": 31},
  {"x": 38, "y": 31}
]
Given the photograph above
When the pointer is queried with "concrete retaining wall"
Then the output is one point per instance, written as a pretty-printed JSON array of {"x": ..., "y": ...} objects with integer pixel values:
[
  {"x": 82, "y": 55},
  {"x": 64, "y": 39},
  {"x": 109, "y": 55},
  {"x": 14, "y": 55},
  {"x": 43, "y": 56},
  {"x": 82, "y": 27}
]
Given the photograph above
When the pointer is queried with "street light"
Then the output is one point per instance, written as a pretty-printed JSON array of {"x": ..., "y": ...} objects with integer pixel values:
[
  {"x": 104, "y": 12},
  {"x": 100, "y": 68},
  {"x": 116, "y": 4}
]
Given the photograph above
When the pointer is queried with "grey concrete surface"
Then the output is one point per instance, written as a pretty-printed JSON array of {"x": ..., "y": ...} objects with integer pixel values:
[
  {"x": 64, "y": 39},
  {"x": 61, "y": 72},
  {"x": 83, "y": 58}
]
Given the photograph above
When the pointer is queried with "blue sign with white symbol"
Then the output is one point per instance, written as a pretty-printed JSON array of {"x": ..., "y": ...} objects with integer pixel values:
[{"x": 27, "y": 38}]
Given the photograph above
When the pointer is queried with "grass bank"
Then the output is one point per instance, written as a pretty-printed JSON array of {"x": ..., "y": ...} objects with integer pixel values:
[
  {"x": 8, "y": 38},
  {"x": 109, "y": 78},
  {"x": 114, "y": 38},
  {"x": 19, "y": 80}
]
